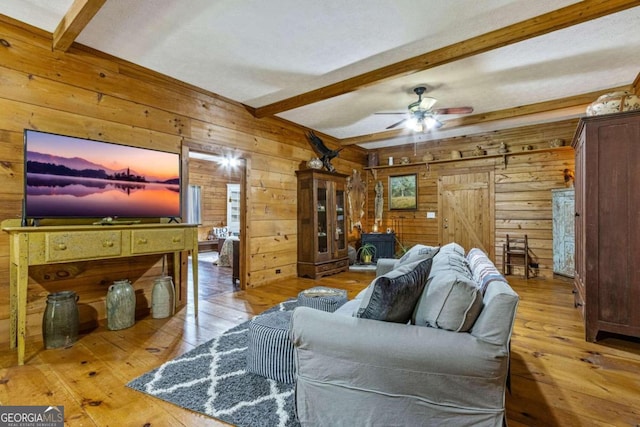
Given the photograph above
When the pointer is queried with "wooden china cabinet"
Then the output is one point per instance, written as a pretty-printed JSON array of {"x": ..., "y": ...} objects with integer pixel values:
[
  {"x": 607, "y": 223},
  {"x": 322, "y": 223}
]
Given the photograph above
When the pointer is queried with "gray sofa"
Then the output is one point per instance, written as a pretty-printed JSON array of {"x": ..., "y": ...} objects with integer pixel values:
[{"x": 425, "y": 371}]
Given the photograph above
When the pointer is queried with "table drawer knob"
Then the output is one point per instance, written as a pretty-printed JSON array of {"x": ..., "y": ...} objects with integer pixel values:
[
  {"x": 61, "y": 247},
  {"x": 142, "y": 241},
  {"x": 107, "y": 244},
  {"x": 176, "y": 240}
]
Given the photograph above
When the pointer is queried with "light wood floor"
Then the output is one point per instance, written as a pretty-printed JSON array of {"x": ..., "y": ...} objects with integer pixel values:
[{"x": 558, "y": 379}]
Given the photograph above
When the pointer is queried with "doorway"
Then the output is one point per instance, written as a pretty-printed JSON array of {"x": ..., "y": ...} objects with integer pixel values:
[
  {"x": 219, "y": 270},
  {"x": 467, "y": 210}
]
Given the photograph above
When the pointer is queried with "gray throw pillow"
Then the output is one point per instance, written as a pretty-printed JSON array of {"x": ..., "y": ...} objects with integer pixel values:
[
  {"x": 416, "y": 253},
  {"x": 392, "y": 297},
  {"x": 451, "y": 302}
]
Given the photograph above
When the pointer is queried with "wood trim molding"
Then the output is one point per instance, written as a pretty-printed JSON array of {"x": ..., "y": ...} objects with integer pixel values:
[
  {"x": 79, "y": 15},
  {"x": 574, "y": 14}
]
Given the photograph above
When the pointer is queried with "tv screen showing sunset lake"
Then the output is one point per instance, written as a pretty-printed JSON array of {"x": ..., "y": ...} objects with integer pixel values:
[{"x": 75, "y": 177}]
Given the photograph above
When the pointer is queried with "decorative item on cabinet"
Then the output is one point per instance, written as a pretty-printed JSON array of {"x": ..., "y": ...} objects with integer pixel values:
[
  {"x": 455, "y": 154},
  {"x": 121, "y": 305},
  {"x": 404, "y": 160},
  {"x": 314, "y": 163},
  {"x": 60, "y": 321},
  {"x": 503, "y": 149},
  {"x": 326, "y": 154},
  {"x": 614, "y": 102}
]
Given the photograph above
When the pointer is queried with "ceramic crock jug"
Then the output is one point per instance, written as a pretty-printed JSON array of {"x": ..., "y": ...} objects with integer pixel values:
[
  {"x": 162, "y": 298},
  {"x": 60, "y": 320},
  {"x": 121, "y": 305}
]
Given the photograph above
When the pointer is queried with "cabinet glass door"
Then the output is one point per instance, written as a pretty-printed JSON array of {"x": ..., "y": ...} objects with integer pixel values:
[
  {"x": 341, "y": 226},
  {"x": 321, "y": 206}
]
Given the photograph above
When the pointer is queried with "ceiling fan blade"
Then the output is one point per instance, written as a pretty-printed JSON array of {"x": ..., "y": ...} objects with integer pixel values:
[
  {"x": 391, "y": 113},
  {"x": 427, "y": 102},
  {"x": 396, "y": 124},
  {"x": 453, "y": 110}
]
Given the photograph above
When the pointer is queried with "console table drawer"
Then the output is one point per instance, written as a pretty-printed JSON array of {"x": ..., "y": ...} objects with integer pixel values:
[
  {"x": 82, "y": 245},
  {"x": 153, "y": 241}
]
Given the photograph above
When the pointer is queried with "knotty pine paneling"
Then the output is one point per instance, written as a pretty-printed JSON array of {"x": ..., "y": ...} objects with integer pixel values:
[
  {"x": 88, "y": 94},
  {"x": 524, "y": 178}
]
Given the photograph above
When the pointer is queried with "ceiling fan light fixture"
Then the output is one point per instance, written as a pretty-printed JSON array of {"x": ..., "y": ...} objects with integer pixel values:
[
  {"x": 430, "y": 122},
  {"x": 415, "y": 124}
]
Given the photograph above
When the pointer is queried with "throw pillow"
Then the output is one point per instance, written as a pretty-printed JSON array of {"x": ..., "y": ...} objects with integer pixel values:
[
  {"x": 393, "y": 296},
  {"x": 417, "y": 253},
  {"x": 451, "y": 302},
  {"x": 452, "y": 247}
]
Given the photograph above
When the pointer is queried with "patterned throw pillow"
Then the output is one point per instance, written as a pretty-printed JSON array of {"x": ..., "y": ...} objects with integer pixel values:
[
  {"x": 393, "y": 296},
  {"x": 484, "y": 271}
]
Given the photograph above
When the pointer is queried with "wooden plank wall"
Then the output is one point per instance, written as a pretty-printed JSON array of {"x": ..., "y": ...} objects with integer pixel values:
[
  {"x": 87, "y": 94},
  {"x": 522, "y": 185}
]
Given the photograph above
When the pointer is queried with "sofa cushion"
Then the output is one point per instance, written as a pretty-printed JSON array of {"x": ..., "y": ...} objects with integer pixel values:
[
  {"x": 393, "y": 296},
  {"x": 445, "y": 262},
  {"x": 451, "y": 301},
  {"x": 417, "y": 253},
  {"x": 452, "y": 248}
]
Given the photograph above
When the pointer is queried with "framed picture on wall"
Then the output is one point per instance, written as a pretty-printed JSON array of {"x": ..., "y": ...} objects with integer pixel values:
[{"x": 403, "y": 192}]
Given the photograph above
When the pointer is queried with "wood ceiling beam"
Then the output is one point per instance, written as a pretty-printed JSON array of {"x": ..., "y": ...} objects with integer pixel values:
[
  {"x": 509, "y": 113},
  {"x": 74, "y": 21},
  {"x": 635, "y": 87},
  {"x": 577, "y": 13}
]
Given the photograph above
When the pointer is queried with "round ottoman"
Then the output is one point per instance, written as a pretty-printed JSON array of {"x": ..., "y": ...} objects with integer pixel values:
[
  {"x": 322, "y": 298},
  {"x": 270, "y": 351}
]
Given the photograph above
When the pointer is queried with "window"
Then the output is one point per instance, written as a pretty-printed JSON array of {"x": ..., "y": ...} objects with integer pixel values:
[{"x": 194, "y": 201}]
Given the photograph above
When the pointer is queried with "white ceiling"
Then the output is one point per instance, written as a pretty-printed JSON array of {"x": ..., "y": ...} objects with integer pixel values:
[{"x": 258, "y": 52}]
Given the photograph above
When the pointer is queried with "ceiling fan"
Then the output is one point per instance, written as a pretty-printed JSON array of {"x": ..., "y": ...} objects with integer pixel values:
[{"x": 422, "y": 115}]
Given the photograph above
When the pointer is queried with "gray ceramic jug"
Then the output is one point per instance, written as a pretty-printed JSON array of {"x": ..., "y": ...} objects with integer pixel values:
[{"x": 121, "y": 305}]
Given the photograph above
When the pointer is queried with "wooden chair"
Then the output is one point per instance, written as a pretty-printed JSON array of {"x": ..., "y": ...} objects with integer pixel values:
[{"x": 515, "y": 252}]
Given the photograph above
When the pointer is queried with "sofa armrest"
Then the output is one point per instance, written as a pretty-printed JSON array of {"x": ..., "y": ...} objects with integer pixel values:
[
  {"x": 384, "y": 265},
  {"x": 433, "y": 365}
]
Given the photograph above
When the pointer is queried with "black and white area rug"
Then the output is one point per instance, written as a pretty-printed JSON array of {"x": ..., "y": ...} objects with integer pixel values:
[{"x": 212, "y": 379}]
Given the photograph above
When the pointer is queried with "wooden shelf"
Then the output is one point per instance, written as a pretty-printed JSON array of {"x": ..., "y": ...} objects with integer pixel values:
[{"x": 462, "y": 159}]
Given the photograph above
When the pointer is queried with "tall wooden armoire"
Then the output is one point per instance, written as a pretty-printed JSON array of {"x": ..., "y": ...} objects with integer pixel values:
[
  {"x": 607, "y": 226},
  {"x": 322, "y": 223}
]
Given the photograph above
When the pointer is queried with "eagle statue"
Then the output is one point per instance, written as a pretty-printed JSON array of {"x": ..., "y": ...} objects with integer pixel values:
[{"x": 326, "y": 154}]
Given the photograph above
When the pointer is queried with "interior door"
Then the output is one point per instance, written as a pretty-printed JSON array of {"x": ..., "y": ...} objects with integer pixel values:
[{"x": 467, "y": 210}]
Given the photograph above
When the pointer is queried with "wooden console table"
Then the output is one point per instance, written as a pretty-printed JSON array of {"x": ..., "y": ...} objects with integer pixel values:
[{"x": 73, "y": 243}]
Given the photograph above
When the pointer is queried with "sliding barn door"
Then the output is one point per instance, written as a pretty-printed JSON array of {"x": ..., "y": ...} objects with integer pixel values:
[{"x": 466, "y": 203}]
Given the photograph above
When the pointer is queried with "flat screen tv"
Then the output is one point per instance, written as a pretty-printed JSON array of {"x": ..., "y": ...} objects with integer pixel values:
[{"x": 68, "y": 177}]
